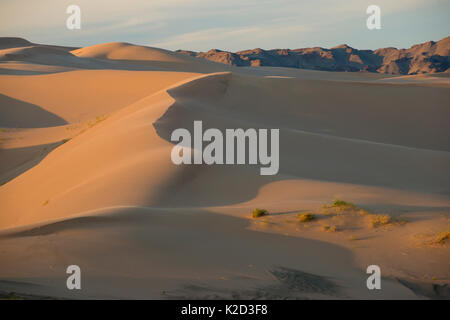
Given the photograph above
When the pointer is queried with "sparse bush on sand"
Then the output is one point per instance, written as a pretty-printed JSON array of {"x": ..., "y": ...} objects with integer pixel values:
[
  {"x": 97, "y": 120},
  {"x": 377, "y": 220},
  {"x": 256, "y": 213},
  {"x": 343, "y": 205},
  {"x": 329, "y": 228},
  {"x": 305, "y": 217},
  {"x": 441, "y": 237},
  {"x": 10, "y": 296},
  {"x": 364, "y": 212}
]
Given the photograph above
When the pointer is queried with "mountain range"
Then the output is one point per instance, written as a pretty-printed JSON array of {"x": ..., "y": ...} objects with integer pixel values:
[{"x": 428, "y": 57}]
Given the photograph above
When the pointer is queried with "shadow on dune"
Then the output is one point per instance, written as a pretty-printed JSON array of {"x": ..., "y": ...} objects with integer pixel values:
[
  {"x": 289, "y": 284},
  {"x": 83, "y": 222},
  {"x": 192, "y": 243},
  {"x": 71, "y": 63},
  {"x": 395, "y": 209},
  {"x": 195, "y": 66},
  {"x": 221, "y": 101},
  {"x": 429, "y": 290},
  {"x": 15, "y": 113},
  {"x": 19, "y": 72},
  {"x": 183, "y": 254},
  {"x": 15, "y": 161}
]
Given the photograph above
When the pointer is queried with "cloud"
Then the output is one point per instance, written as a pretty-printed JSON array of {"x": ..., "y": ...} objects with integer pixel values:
[
  {"x": 235, "y": 37},
  {"x": 199, "y": 24}
]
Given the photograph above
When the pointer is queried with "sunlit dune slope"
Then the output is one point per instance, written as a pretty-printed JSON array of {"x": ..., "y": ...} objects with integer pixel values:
[
  {"x": 126, "y": 51},
  {"x": 80, "y": 95}
]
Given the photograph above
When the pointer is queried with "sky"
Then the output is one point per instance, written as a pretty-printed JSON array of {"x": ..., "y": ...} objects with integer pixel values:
[{"x": 232, "y": 25}]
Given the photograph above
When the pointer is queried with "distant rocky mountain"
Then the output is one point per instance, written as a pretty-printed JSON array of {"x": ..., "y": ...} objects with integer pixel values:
[{"x": 428, "y": 57}]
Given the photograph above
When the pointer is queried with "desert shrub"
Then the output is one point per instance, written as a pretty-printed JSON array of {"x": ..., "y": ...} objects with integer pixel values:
[
  {"x": 377, "y": 220},
  {"x": 364, "y": 212},
  {"x": 441, "y": 237},
  {"x": 97, "y": 120},
  {"x": 305, "y": 217},
  {"x": 337, "y": 203},
  {"x": 329, "y": 228},
  {"x": 10, "y": 296},
  {"x": 256, "y": 213}
]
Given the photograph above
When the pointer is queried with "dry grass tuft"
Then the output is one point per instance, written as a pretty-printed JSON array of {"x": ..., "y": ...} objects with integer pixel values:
[
  {"x": 97, "y": 120},
  {"x": 377, "y": 220},
  {"x": 343, "y": 205},
  {"x": 256, "y": 213},
  {"x": 329, "y": 228},
  {"x": 364, "y": 212},
  {"x": 305, "y": 217},
  {"x": 441, "y": 237}
]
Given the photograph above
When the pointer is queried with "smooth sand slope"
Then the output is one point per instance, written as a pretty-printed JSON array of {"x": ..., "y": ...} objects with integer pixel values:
[{"x": 88, "y": 180}]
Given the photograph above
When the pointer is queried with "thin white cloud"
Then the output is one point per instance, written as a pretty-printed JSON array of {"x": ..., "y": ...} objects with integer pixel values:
[{"x": 243, "y": 37}]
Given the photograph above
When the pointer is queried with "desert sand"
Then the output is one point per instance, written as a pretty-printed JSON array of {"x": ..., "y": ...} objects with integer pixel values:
[{"x": 86, "y": 178}]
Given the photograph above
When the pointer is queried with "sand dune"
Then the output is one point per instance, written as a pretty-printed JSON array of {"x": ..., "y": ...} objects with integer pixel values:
[
  {"x": 88, "y": 178},
  {"x": 126, "y": 157},
  {"x": 126, "y": 51},
  {"x": 148, "y": 57},
  {"x": 121, "y": 254},
  {"x": 30, "y": 52},
  {"x": 13, "y": 42},
  {"x": 114, "y": 89}
]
